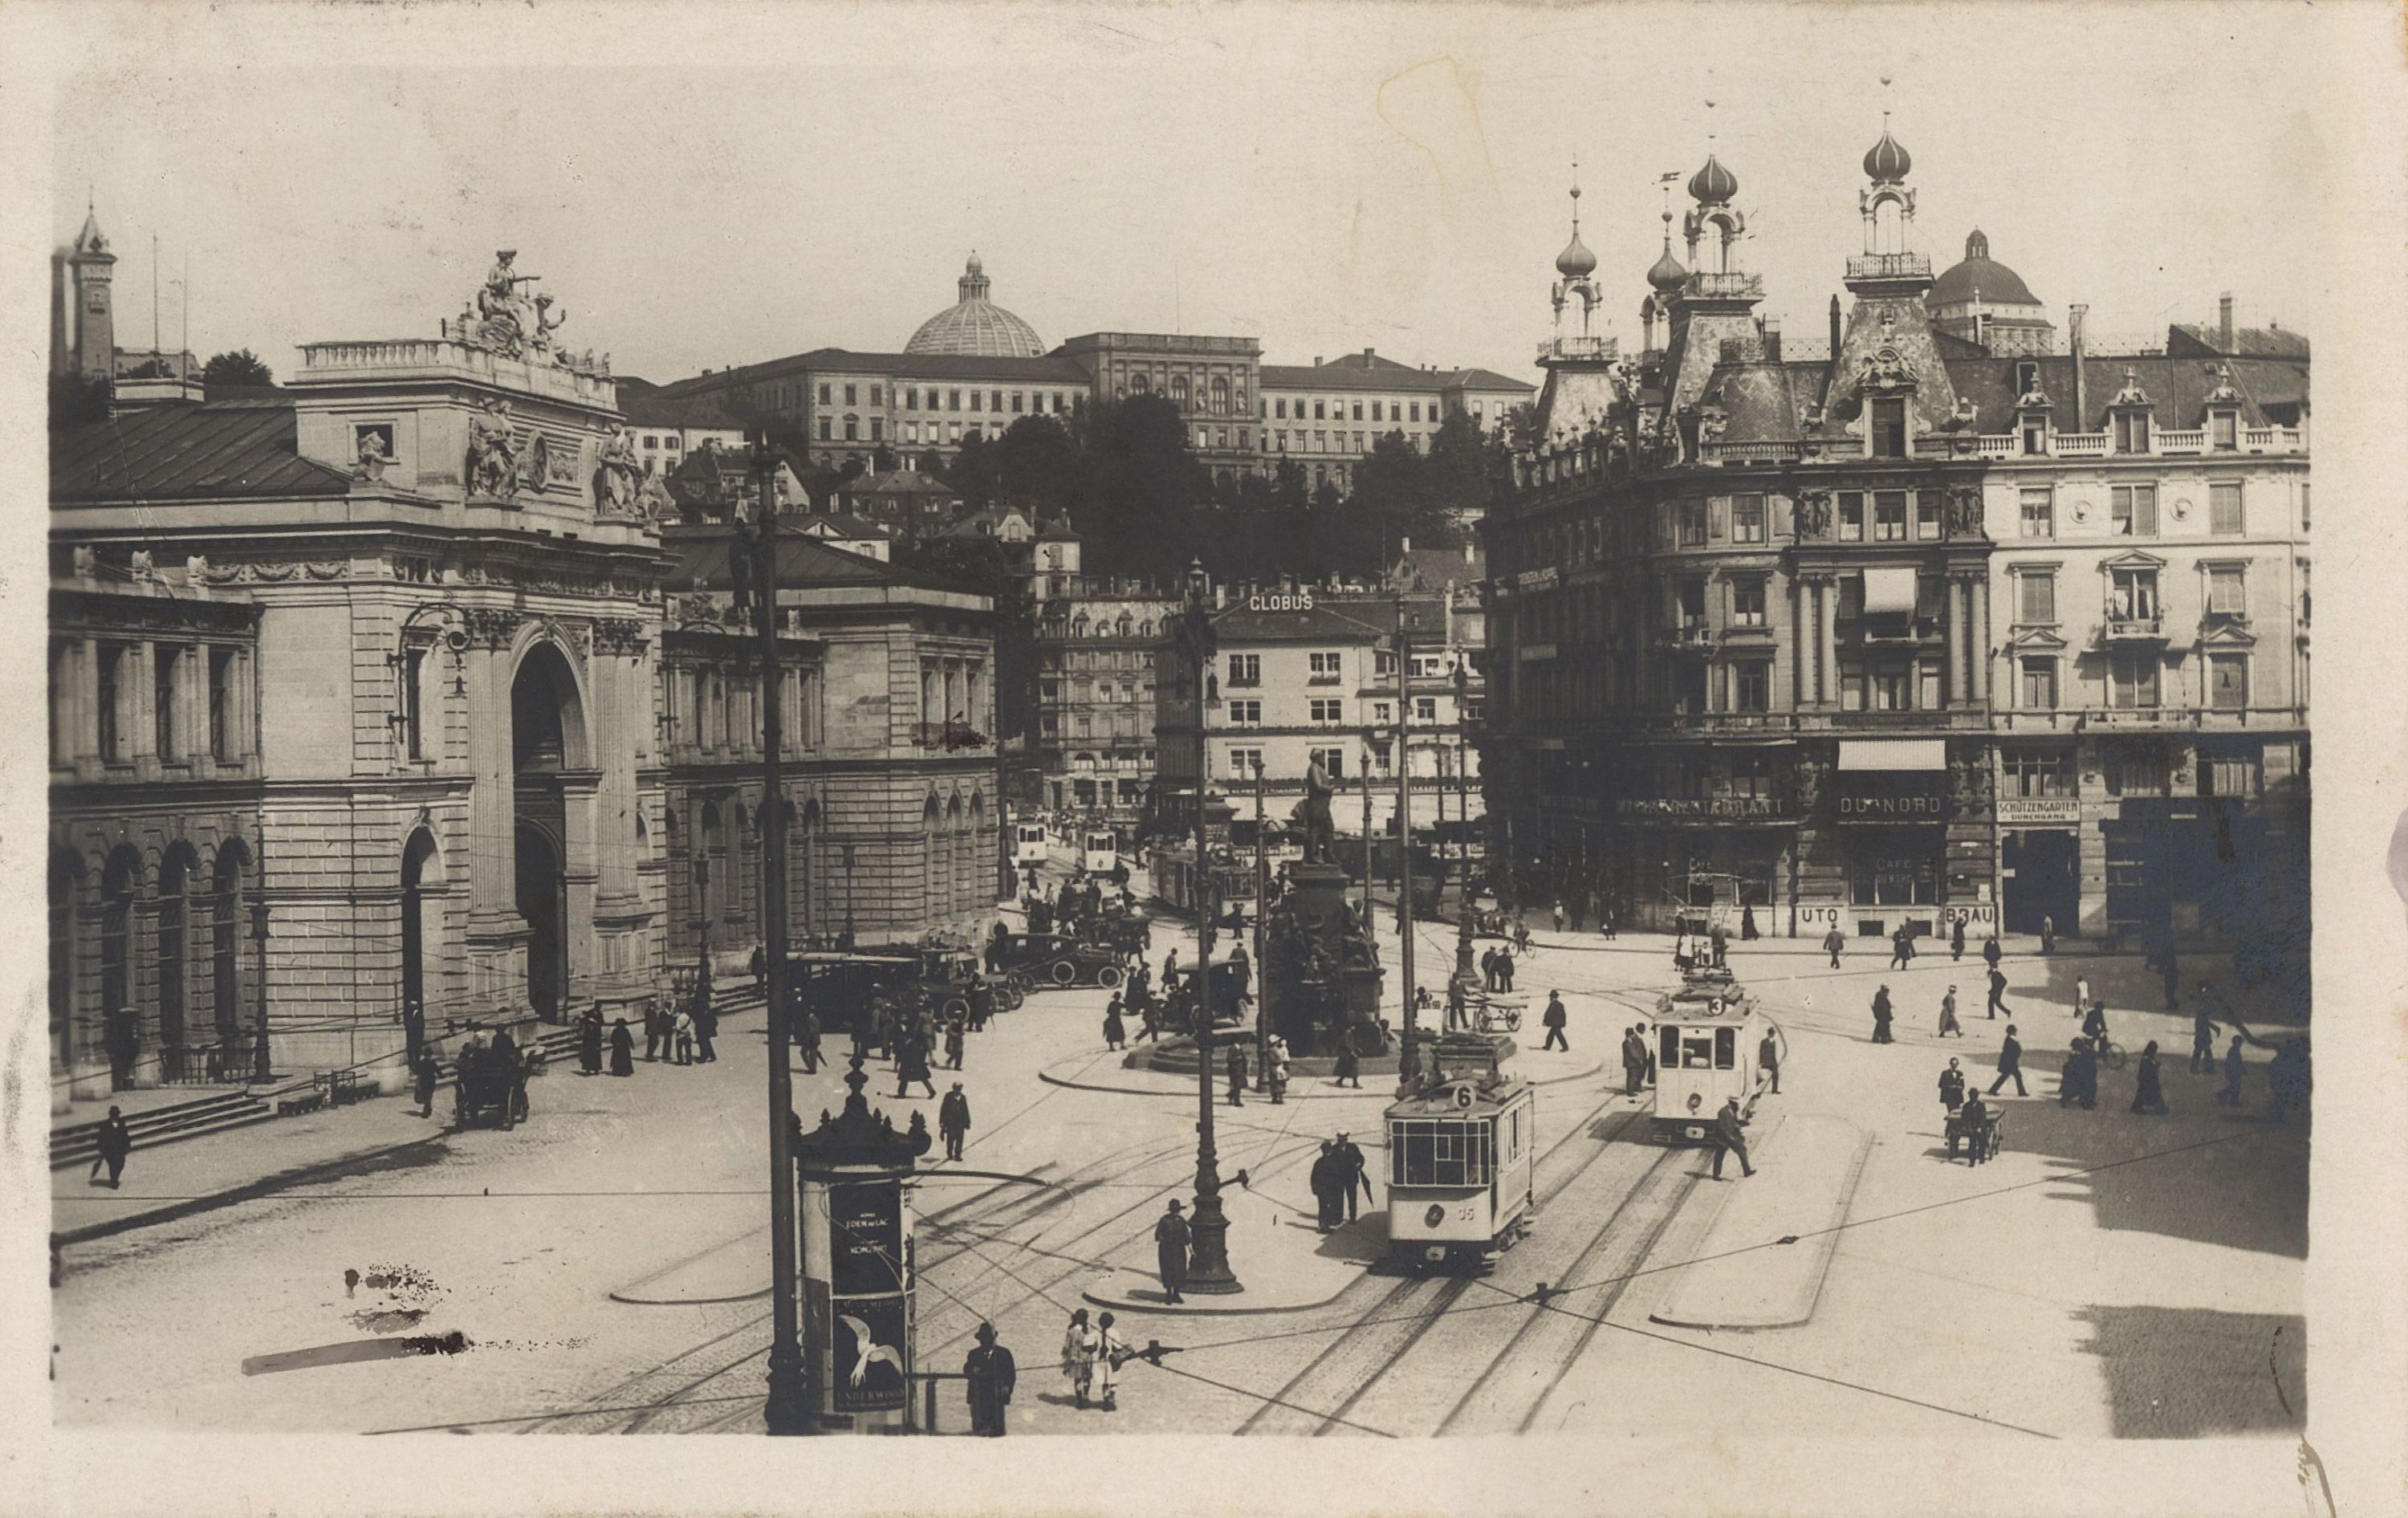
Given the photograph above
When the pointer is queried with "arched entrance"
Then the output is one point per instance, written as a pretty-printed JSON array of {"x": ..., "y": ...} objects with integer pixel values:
[
  {"x": 546, "y": 740},
  {"x": 120, "y": 880},
  {"x": 175, "y": 882},
  {"x": 227, "y": 901},
  {"x": 417, "y": 859}
]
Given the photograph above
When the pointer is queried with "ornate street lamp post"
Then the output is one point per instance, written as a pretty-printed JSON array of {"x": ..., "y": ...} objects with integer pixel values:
[
  {"x": 788, "y": 1410},
  {"x": 1462, "y": 820},
  {"x": 1208, "y": 1230}
]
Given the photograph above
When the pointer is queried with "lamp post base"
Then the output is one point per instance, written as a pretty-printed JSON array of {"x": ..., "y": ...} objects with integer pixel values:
[
  {"x": 1208, "y": 1235},
  {"x": 788, "y": 1410}
]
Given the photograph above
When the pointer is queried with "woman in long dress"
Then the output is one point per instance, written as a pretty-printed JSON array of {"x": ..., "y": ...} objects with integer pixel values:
[
  {"x": 589, "y": 1041},
  {"x": 1079, "y": 1354},
  {"x": 623, "y": 1048}
]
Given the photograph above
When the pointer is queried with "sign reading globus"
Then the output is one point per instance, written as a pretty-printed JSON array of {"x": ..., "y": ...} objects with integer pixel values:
[{"x": 1281, "y": 601}]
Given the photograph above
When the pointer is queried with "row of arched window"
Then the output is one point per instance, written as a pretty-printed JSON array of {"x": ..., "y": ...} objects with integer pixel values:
[{"x": 146, "y": 958}]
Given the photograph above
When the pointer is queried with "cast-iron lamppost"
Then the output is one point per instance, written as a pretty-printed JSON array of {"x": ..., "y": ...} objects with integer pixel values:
[
  {"x": 754, "y": 554},
  {"x": 1208, "y": 1228},
  {"x": 1462, "y": 817}
]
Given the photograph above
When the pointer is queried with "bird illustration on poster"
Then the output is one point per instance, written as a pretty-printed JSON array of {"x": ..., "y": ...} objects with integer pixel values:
[{"x": 865, "y": 1350}]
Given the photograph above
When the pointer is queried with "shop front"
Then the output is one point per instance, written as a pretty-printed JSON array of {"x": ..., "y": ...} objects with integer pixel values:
[
  {"x": 1894, "y": 805},
  {"x": 2040, "y": 863}
]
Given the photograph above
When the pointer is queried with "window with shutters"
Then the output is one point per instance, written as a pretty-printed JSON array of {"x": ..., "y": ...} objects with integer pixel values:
[
  {"x": 2133, "y": 681},
  {"x": 2036, "y": 597},
  {"x": 2038, "y": 692},
  {"x": 2132, "y": 510},
  {"x": 2038, "y": 513},
  {"x": 2228, "y": 594},
  {"x": 2224, "y": 517},
  {"x": 2227, "y": 682}
]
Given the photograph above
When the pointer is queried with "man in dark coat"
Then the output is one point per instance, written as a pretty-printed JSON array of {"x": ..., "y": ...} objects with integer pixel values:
[
  {"x": 2202, "y": 1042},
  {"x": 2172, "y": 981},
  {"x": 1505, "y": 969},
  {"x": 2235, "y": 1067},
  {"x": 807, "y": 1039},
  {"x": 1353, "y": 1172},
  {"x": 1997, "y": 991},
  {"x": 1719, "y": 941},
  {"x": 1347, "y": 1069},
  {"x": 1237, "y": 1075},
  {"x": 1634, "y": 1061},
  {"x": 1553, "y": 1020},
  {"x": 991, "y": 1376},
  {"x": 1324, "y": 1180},
  {"x": 1902, "y": 947},
  {"x": 1488, "y": 969},
  {"x": 1991, "y": 953},
  {"x": 911, "y": 1064},
  {"x": 954, "y": 1043},
  {"x": 1957, "y": 939},
  {"x": 1832, "y": 944},
  {"x": 589, "y": 1041},
  {"x": 114, "y": 1140},
  {"x": 656, "y": 1028},
  {"x": 2078, "y": 1084},
  {"x": 1881, "y": 1016},
  {"x": 1768, "y": 1059},
  {"x": 622, "y": 1046},
  {"x": 760, "y": 970},
  {"x": 427, "y": 1077},
  {"x": 1730, "y": 1138},
  {"x": 953, "y": 1121},
  {"x": 2011, "y": 1064},
  {"x": 706, "y": 1027},
  {"x": 1170, "y": 1251}
]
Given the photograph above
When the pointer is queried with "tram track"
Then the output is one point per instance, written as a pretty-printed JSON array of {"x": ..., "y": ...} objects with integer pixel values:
[{"x": 1386, "y": 1332}]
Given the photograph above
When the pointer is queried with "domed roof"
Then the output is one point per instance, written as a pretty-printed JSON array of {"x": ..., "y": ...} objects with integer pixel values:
[
  {"x": 976, "y": 325},
  {"x": 1575, "y": 261},
  {"x": 1888, "y": 161},
  {"x": 1980, "y": 278},
  {"x": 1712, "y": 183},
  {"x": 1666, "y": 274}
]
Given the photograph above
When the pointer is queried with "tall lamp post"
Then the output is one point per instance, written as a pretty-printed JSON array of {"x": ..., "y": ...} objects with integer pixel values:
[
  {"x": 1463, "y": 818},
  {"x": 1208, "y": 1229},
  {"x": 1409, "y": 1062},
  {"x": 1262, "y": 911},
  {"x": 788, "y": 1410}
]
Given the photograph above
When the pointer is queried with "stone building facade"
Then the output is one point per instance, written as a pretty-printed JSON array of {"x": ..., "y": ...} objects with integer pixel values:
[{"x": 1922, "y": 631}]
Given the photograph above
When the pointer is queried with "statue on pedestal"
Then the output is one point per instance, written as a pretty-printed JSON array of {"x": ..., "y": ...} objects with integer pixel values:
[
  {"x": 502, "y": 312},
  {"x": 1319, "y": 842},
  {"x": 493, "y": 450},
  {"x": 615, "y": 482}
]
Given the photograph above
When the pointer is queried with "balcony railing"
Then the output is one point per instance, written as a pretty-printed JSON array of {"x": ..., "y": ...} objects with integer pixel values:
[
  {"x": 2170, "y": 441},
  {"x": 2079, "y": 445},
  {"x": 1748, "y": 452},
  {"x": 1596, "y": 348},
  {"x": 1890, "y": 266},
  {"x": 2150, "y": 628}
]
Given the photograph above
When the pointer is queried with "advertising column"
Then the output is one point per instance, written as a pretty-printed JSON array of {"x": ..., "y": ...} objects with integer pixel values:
[{"x": 858, "y": 1264}]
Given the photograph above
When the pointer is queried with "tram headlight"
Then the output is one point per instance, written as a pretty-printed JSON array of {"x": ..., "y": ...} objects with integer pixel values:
[
  {"x": 1695, "y": 1101},
  {"x": 1436, "y": 1215}
]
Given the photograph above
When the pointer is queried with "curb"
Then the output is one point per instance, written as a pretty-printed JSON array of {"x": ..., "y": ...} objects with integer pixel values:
[
  {"x": 1194, "y": 1307},
  {"x": 1825, "y": 1244}
]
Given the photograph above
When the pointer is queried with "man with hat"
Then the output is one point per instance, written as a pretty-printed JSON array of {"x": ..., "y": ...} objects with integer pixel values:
[
  {"x": 953, "y": 1121},
  {"x": 1170, "y": 1251},
  {"x": 991, "y": 1375},
  {"x": 1355, "y": 1173}
]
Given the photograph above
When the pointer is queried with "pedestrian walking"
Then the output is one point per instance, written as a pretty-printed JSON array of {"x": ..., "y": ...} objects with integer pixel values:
[
  {"x": 114, "y": 1140},
  {"x": 1353, "y": 1172},
  {"x": 1605, "y": 920},
  {"x": 1997, "y": 991},
  {"x": 1974, "y": 1123},
  {"x": 911, "y": 1065},
  {"x": 2081, "y": 995},
  {"x": 2234, "y": 1068},
  {"x": 1634, "y": 1061},
  {"x": 1559, "y": 917},
  {"x": 1718, "y": 941},
  {"x": 1115, "y": 1032},
  {"x": 1170, "y": 1251},
  {"x": 1237, "y": 1075},
  {"x": 1170, "y": 969},
  {"x": 2048, "y": 935},
  {"x": 1952, "y": 1088},
  {"x": 1347, "y": 1069},
  {"x": 1149, "y": 1021},
  {"x": 706, "y": 1027},
  {"x": 623, "y": 1048},
  {"x": 953, "y": 1041},
  {"x": 1991, "y": 953},
  {"x": 2148, "y": 1089},
  {"x": 2287, "y": 1077},
  {"x": 2094, "y": 1024},
  {"x": 1881, "y": 1016},
  {"x": 1832, "y": 944},
  {"x": 1768, "y": 1059},
  {"x": 760, "y": 966},
  {"x": 2011, "y": 1064},
  {"x": 1948, "y": 1015},
  {"x": 589, "y": 1041},
  {"x": 1730, "y": 1139},
  {"x": 425, "y": 1079},
  {"x": 1505, "y": 967},
  {"x": 1275, "y": 1069},
  {"x": 1747, "y": 930},
  {"x": 1553, "y": 1020},
  {"x": 2079, "y": 1081},
  {"x": 809, "y": 1041},
  {"x": 2203, "y": 1043},
  {"x": 1111, "y": 1350},
  {"x": 953, "y": 1121},
  {"x": 1902, "y": 947},
  {"x": 1458, "y": 1011},
  {"x": 1079, "y": 1344},
  {"x": 1957, "y": 941},
  {"x": 992, "y": 1377},
  {"x": 681, "y": 1037},
  {"x": 655, "y": 1028},
  {"x": 1324, "y": 1180}
]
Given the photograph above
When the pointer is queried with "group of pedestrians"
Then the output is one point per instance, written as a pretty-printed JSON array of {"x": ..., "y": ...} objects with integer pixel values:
[
  {"x": 1338, "y": 1173},
  {"x": 680, "y": 1034},
  {"x": 1497, "y": 968}
]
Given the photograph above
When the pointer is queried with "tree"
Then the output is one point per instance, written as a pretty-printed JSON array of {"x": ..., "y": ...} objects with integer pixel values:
[
  {"x": 240, "y": 367},
  {"x": 1141, "y": 512},
  {"x": 1037, "y": 466},
  {"x": 881, "y": 459},
  {"x": 973, "y": 472}
]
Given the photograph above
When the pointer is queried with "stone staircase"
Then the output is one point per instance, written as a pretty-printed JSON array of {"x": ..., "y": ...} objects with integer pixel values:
[{"x": 78, "y": 1143}]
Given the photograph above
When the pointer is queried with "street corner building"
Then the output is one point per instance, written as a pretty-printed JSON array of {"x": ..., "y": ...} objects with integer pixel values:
[
  {"x": 1945, "y": 617},
  {"x": 403, "y": 695}
]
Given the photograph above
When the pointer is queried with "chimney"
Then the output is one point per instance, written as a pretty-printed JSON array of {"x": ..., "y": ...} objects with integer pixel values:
[
  {"x": 2073, "y": 315},
  {"x": 1220, "y": 597},
  {"x": 1404, "y": 546},
  {"x": 1316, "y": 361},
  {"x": 1835, "y": 329},
  {"x": 1367, "y": 353},
  {"x": 2224, "y": 323},
  {"x": 1771, "y": 334}
]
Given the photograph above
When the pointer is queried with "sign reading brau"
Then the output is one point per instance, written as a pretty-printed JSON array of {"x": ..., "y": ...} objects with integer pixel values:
[{"x": 1882, "y": 796}]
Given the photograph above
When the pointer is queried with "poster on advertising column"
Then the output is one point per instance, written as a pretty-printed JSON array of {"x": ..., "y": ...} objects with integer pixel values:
[{"x": 869, "y": 1302}]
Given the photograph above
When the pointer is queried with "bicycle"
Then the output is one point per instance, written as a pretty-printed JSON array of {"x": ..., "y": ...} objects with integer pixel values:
[{"x": 2111, "y": 1053}]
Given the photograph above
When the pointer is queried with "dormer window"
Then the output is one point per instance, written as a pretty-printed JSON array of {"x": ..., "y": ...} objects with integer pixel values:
[
  {"x": 2027, "y": 377},
  {"x": 2224, "y": 431},
  {"x": 2132, "y": 432},
  {"x": 1890, "y": 429}
]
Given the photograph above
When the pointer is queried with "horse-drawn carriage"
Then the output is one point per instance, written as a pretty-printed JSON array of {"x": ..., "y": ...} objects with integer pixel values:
[{"x": 489, "y": 1087}]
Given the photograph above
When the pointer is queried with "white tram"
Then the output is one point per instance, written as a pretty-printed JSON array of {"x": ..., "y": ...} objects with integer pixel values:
[
  {"x": 1460, "y": 1156},
  {"x": 1028, "y": 843},
  {"x": 1706, "y": 1039},
  {"x": 1099, "y": 850}
]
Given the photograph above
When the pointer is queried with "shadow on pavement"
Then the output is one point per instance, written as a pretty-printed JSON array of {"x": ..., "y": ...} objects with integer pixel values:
[{"x": 2194, "y": 1373}]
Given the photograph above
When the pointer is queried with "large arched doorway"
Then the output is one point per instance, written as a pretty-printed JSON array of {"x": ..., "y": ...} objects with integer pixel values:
[
  {"x": 546, "y": 740},
  {"x": 228, "y": 900},
  {"x": 121, "y": 878},
  {"x": 176, "y": 874},
  {"x": 417, "y": 861}
]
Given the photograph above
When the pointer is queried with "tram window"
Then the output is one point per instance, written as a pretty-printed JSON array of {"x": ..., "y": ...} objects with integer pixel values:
[
  {"x": 1726, "y": 1049},
  {"x": 1670, "y": 1058},
  {"x": 1697, "y": 1052},
  {"x": 1441, "y": 1154}
]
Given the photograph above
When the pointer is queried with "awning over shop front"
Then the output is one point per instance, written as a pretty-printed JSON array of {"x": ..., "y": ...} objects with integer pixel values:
[
  {"x": 1889, "y": 591},
  {"x": 1894, "y": 753}
]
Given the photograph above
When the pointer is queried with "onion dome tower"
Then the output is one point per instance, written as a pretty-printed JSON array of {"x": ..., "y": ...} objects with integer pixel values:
[
  {"x": 1575, "y": 264},
  {"x": 1713, "y": 187}
]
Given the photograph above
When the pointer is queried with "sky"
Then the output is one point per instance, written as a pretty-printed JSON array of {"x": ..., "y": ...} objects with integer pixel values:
[{"x": 1323, "y": 179}]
